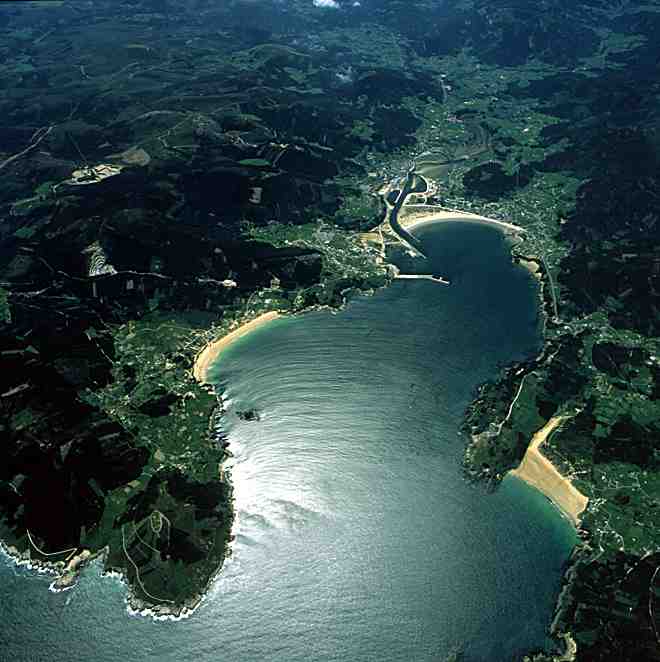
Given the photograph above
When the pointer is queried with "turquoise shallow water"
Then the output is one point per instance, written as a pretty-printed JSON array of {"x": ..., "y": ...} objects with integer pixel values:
[{"x": 357, "y": 536}]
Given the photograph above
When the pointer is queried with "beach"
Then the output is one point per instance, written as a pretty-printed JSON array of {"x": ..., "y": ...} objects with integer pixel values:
[
  {"x": 536, "y": 470},
  {"x": 209, "y": 354},
  {"x": 414, "y": 216}
]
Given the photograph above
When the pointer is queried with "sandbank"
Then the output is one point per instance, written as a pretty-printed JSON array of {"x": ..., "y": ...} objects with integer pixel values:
[
  {"x": 536, "y": 470},
  {"x": 209, "y": 354}
]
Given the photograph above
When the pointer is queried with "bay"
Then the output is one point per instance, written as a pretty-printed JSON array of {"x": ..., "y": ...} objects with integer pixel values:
[{"x": 357, "y": 536}]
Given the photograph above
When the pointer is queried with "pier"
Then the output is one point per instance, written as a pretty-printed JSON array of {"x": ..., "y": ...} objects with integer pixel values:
[{"x": 431, "y": 277}]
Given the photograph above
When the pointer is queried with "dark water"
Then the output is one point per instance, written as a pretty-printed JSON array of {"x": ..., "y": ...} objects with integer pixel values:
[{"x": 357, "y": 537}]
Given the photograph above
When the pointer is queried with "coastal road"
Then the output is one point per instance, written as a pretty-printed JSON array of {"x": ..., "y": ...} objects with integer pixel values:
[{"x": 551, "y": 280}]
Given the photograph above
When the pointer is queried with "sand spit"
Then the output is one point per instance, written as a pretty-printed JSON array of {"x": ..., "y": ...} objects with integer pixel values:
[
  {"x": 537, "y": 471},
  {"x": 208, "y": 355}
]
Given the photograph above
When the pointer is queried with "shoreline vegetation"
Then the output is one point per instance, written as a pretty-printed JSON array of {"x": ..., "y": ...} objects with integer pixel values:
[
  {"x": 539, "y": 472},
  {"x": 212, "y": 350}
]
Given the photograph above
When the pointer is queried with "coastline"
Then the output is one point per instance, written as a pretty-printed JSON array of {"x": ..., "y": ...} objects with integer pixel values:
[
  {"x": 536, "y": 470},
  {"x": 210, "y": 353},
  {"x": 65, "y": 573},
  {"x": 418, "y": 217},
  {"x": 532, "y": 266}
]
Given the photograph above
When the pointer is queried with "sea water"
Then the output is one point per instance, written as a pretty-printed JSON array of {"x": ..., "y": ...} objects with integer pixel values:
[{"x": 357, "y": 536}]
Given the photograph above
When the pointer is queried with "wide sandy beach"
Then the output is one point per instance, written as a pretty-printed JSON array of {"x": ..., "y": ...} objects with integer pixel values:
[
  {"x": 424, "y": 214},
  {"x": 536, "y": 470},
  {"x": 209, "y": 354}
]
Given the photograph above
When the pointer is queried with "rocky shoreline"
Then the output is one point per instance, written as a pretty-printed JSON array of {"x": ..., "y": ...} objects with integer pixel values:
[{"x": 66, "y": 573}]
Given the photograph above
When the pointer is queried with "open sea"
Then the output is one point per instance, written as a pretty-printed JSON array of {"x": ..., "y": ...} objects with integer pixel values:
[{"x": 357, "y": 536}]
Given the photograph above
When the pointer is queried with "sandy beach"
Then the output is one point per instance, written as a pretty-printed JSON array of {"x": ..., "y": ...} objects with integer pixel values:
[
  {"x": 209, "y": 354},
  {"x": 424, "y": 214},
  {"x": 537, "y": 471}
]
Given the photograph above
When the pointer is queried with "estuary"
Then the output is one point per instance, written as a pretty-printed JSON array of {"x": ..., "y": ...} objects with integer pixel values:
[{"x": 357, "y": 536}]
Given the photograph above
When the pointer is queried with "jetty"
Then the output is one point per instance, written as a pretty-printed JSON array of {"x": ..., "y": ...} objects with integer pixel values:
[{"x": 431, "y": 277}]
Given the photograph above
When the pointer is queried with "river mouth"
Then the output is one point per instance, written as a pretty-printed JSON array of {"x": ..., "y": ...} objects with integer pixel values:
[{"x": 357, "y": 537}]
